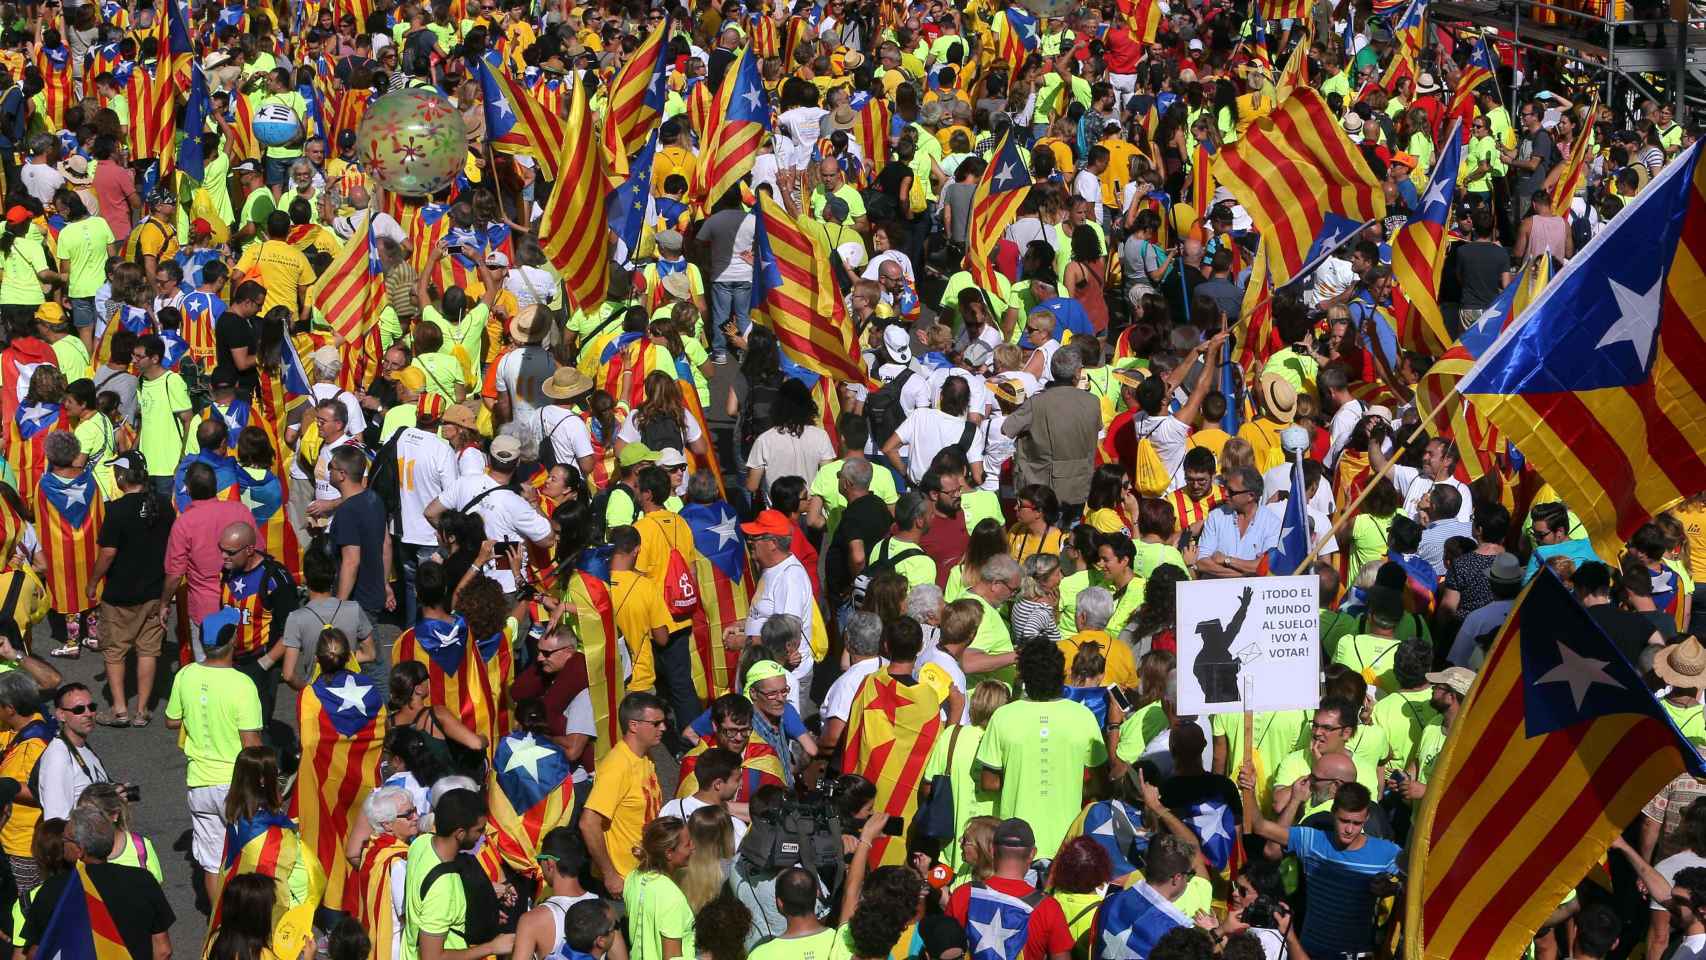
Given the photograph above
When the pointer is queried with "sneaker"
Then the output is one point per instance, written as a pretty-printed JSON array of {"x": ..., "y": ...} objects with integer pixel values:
[{"x": 719, "y": 356}]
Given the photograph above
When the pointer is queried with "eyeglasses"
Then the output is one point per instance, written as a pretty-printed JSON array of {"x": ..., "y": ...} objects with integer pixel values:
[
  {"x": 652, "y": 723},
  {"x": 734, "y": 731},
  {"x": 79, "y": 709},
  {"x": 232, "y": 551},
  {"x": 776, "y": 694},
  {"x": 1230, "y": 493},
  {"x": 1326, "y": 727},
  {"x": 1324, "y": 780},
  {"x": 543, "y": 652}
]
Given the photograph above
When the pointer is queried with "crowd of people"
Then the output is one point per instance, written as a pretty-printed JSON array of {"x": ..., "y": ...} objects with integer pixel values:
[{"x": 628, "y": 632}]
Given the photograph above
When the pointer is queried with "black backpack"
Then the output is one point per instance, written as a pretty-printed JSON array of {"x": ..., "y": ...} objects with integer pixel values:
[
  {"x": 663, "y": 433},
  {"x": 480, "y": 923},
  {"x": 883, "y": 411},
  {"x": 887, "y": 562},
  {"x": 757, "y": 414},
  {"x": 548, "y": 449},
  {"x": 385, "y": 480},
  {"x": 601, "y": 505}
]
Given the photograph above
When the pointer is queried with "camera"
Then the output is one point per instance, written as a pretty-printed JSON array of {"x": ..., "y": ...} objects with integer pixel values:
[
  {"x": 131, "y": 792},
  {"x": 1262, "y": 912}
]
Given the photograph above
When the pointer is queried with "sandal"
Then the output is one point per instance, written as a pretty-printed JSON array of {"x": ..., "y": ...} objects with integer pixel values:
[
  {"x": 141, "y": 719},
  {"x": 69, "y": 651},
  {"x": 107, "y": 718}
]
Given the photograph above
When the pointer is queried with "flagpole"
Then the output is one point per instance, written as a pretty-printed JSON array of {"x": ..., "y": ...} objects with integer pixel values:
[{"x": 1391, "y": 461}]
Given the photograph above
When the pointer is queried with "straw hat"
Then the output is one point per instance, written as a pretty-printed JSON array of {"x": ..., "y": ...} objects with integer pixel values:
[
  {"x": 1682, "y": 665},
  {"x": 566, "y": 384},
  {"x": 529, "y": 325},
  {"x": 1279, "y": 397}
]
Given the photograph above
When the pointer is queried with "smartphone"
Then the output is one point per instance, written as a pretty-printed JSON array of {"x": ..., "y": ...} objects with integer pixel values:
[
  {"x": 895, "y": 827},
  {"x": 1397, "y": 777},
  {"x": 1117, "y": 694}
]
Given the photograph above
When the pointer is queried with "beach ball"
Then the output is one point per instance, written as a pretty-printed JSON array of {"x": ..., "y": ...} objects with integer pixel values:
[
  {"x": 276, "y": 125},
  {"x": 413, "y": 141},
  {"x": 1050, "y": 9}
]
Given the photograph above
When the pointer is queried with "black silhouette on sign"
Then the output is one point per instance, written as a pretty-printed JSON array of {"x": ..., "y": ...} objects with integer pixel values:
[{"x": 1216, "y": 668}]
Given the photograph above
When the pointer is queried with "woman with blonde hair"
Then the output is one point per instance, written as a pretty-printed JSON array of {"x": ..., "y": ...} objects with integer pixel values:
[
  {"x": 1034, "y": 613},
  {"x": 977, "y": 850},
  {"x": 713, "y": 837},
  {"x": 953, "y": 756},
  {"x": 660, "y": 920}
]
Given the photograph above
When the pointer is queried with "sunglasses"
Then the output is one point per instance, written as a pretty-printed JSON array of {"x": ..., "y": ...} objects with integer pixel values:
[{"x": 79, "y": 709}]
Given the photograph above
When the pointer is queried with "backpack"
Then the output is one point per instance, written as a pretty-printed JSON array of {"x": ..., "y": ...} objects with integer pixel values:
[
  {"x": 987, "y": 907},
  {"x": 386, "y": 479},
  {"x": 547, "y": 448},
  {"x": 879, "y": 206},
  {"x": 887, "y": 562},
  {"x": 601, "y": 504},
  {"x": 966, "y": 436},
  {"x": 758, "y": 412},
  {"x": 480, "y": 921},
  {"x": 882, "y": 409},
  {"x": 680, "y": 587},
  {"x": 663, "y": 433},
  {"x": 1150, "y": 475}
]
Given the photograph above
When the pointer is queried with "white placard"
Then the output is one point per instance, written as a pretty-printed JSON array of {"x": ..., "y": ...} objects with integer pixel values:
[{"x": 1252, "y": 643}]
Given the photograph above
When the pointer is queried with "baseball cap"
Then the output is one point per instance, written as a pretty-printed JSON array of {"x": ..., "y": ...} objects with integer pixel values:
[
  {"x": 247, "y": 166},
  {"x": 768, "y": 523},
  {"x": 1016, "y": 833},
  {"x": 497, "y": 258},
  {"x": 1458, "y": 679},
  {"x": 222, "y": 376},
  {"x": 635, "y": 453},
  {"x": 200, "y": 227},
  {"x": 506, "y": 450},
  {"x": 671, "y": 457},
  {"x": 17, "y": 214},
  {"x": 51, "y": 313},
  {"x": 412, "y": 377}
]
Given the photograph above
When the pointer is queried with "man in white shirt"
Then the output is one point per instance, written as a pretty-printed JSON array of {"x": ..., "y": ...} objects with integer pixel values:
[
  {"x": 39, "y": 176},
  {"x": 927, "y": 431},
  {"x": 1087, "y": 185},
  {"x": 67, "y": 766},
  {"x": 1439, "y": 461},
  {"x": 863, "y": 636},
  {"x": 522, "y": 372},
  {"x": 1169, "y": 433},
  {"x": 332, "y": 417},
  {"x": 1333, "y": 381},
  {"x": 426, "y": 466},
  {"x": 571, "y": 441},
  {"x": 894, "y": 360},
  {"x": 783, "y": 587},
  {"x": 509, "y": 518},
  {"x": 718, "y": 774}
]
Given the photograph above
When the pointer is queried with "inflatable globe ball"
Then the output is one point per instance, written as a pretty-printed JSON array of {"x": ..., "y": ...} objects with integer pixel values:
[
  {"x": 1050, "y": 9},
  {"x": 412, "y": 141},
  {"x": 276, "y": 125}
]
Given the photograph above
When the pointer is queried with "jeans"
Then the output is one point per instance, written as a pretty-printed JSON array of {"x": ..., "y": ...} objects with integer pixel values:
[
  {"x": 675, "y": 677},
  {"x": 413, "y": 556},
  {"x": 162, "y": 485},
  {"x": 729, "y": 300},
  {"x": 83, "y": 312}
]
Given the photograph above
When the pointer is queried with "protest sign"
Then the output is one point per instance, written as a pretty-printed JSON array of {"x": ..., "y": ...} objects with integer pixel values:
[{"x": 1248, "y": 644}]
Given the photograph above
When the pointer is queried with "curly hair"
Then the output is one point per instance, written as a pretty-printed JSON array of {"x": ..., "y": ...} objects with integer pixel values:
[
  {"x": 483, "y": 604},
  {"x": 1081, "y": 866},
  {"x": 662, "y": 400},
  {"x": 887, "y": 904},
  {"x": 1160, "y": 601}
]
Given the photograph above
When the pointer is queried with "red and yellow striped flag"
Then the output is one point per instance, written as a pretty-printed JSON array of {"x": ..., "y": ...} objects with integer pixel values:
[
  {"x": 1418, "y": 255},
  {"x": 759, "y": 765},
  {"x": 367, "y": 897},
  {"x": 56, "y": 92},
  {"x": 497, "y": 661},
  {"x": 766, "y": 38},
  {"x": 152, "y": 97},
  {"x": 890, "y": 730},
  {"x": 243, "y": 144},
  {"x": 739, "y": 119},
  {"x": 350, "y": 296},
  {"x": 725, "y": 590},
  {"x": 593, "y": 616},
  {"x": 575, "y": 232},
  {"x": 68, "y": 519},
  {"x": 530, "y": 792},
  {"x": 268, "y": 844},
  {"x": 1001, "y": 188},
  {"x": 699, "y": 103},
  {"x": 637, "y": 98},
  {"x": 81, "y": 926},
  {"x": 455, "y": 675},
  {"x": 1202, "y": 177},
  {"x": 1144, "y": 18},
  {"x": 871, "y": 128},
  {"x": 541, "y": 126},
  {"x": 1575, "y": 172},
  {"x": 792, "y": 284},
  {"x": 341, "y": 719},
  {"x": 1256, "y": 334},
  {"x": 1291, "y": 169}
]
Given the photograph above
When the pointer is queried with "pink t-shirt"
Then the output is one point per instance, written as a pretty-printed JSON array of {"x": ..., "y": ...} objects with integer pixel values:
[
  {"x": 115, "y": 185},
  {"x": 192, "y": 550}
]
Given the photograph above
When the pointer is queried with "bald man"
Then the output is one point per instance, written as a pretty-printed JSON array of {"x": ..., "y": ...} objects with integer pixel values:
[
  {"x": 263, "y": 590},
  {"x": 1331, "y": 771}
]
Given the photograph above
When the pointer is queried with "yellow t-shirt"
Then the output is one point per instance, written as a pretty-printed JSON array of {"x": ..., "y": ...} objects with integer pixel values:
[
  {"x": 625, "y": 793},
  {"x": 661, "y": 531},
  {"x": 20, "y": 828},
  {"x": 639, "y": 609},
  {"x": 283, "y": 270}
]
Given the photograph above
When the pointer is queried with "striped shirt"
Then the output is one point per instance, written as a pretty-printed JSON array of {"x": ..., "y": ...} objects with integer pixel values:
[{"x": 1341, "y": 905}]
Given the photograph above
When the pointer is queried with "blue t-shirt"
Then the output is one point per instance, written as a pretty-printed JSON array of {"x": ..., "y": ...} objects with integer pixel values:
[
  {"x": 792, "y": 726},
  {"x": 1096, "y": 698},
  {"x": 1068, "y": 315},
  {"x": 1341, "y": 905},
  {"x": 1580, "y": 551}
]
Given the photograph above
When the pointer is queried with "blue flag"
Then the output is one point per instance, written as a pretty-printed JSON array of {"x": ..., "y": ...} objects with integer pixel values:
[{"x": 1293, "y": 543}]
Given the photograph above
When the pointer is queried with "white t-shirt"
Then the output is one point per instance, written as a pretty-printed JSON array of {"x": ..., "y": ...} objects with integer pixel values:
[
  {"x": 1279, "y": 478},
  {"x": 406, "y": 780},
  {"x": 530, "y": 285},
  {"x": 521, "y": 374},
  {"x": 508, "y": 518},
  {"x": 1332, "y": 277},
  {"x": 577, "y": 718},
  {"x": 786, "y": 588},
  {"x": 1320, "y": 524},
  {"x": 998, "y": 448},
  {"x": 990, "y": 336},
  {"x": 426, "y": 466},
  {"x": 1026, "y": 229},
  {"x": 800, "y": 127},
  {"x": 324, "y": 489},
  {"x": 1345, "y": 420},
  {"x": 764, "y": 167},
  {"x": 979, "y": 394},
  {"x": 1087, "y": 186},
  {"x": 40, "y": 181},
  {"x": 1414, "y": 486},
  {"x": 629, "y": 432},
  {"x": 62, "y": 779},
  {"x": 1169, "y": 436},
  {"x": 385, "y": 226},
  {"x": 956, "y": 676},
  {"x": 352, "y": 407},
  {"x": 471, "y": 461},
  {"x": 569, "y": 436},
  {"x": 683, "y": 806},
  {"x": 781, "y": 454},
  {"x": 926, "y": 431},
  {"x": 838, "y": 700},
  {"x": 873, "y": 270}
]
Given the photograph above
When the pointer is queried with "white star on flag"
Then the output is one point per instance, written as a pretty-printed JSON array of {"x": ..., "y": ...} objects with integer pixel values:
[
  {"x": 1580, "y": 672},
  {"x": 74, "y": 493},
  {"x": 526, "y": 752},
  {"x": 992, "y": 935},
  {"x": 1210, "y": 821},
  {"x": 1114, "y": 945},
  {"x": 724, "y": 528},
  {"x": 751, "y": 97},
  {"x": 1004, "y": 176},
  {"x": 352, "y": 695},
  {"x": 37, "y": 412},
  {"x": 1637, "y": 323}
]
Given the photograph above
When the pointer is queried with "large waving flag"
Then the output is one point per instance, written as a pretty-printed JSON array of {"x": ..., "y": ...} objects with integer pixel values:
[
  {"x": 1129, "y": 923},
  {"x": 1016, "y": 35},
  {"x": 197, "y": 108},
  {"x": 535, "y": 122},
  {"x": 792, "y": 283},
  {"x": 1418, "y": 255},
  {"x": 1575, "y": 173},
  {"x": 574, "y": 233},
  {"x": 68, "y": 520},
  {"x": 1478, "y": 441},
  {"x": 530, "y": 791},
  {"x": 1410, "y": 28},
  {"x": 151, "y": 97},
  {"x": 350, "y": 296},
  {"x": 1295, "y": 73},
  {"x": 1293, "y": 546},
  {"x": 739, "y": 119},
  {"x": 638, "y": 94},
  {"x": 1599, "y": 383},
  {"x": 1000, "y": 190},
  {"x": 341, "y": 719},
  {"x": 1558, "y": 747},
  {"x": 725, "y": 591},
  {"x": 1290, "y": 170},
  {"x": 593, "y": 616},
  {"x": 890, "y": 730},
  {"x": 500, "y": 114},
  {"x": 81, "y": 926},
  {"x": 454, "y": 671},
  {"x": 1478, "y": 69}
]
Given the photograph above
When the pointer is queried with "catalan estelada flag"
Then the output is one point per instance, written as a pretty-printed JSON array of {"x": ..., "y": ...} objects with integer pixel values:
[
  {"x": 1418, "y": 255},
  {"x": 1478, "y": 441},
  {"x": 244, "y": 145},
  {"x": 1557, "y": 749},
  {"x": 575, "y": 232},
  {"x": 1476, "y": 71},
  {"x": 499, "y": 113},
  {"x": 152, "y": 97},
  {"x": 68, "y": 519},
  {"x": 341, "y": 717},
  {"x": 792, "y": 284},
  {"x": 81, "y": 927},
  {"x": 740, "y": 116},
  {"x": 1016, "y": 36},
  {"x": 497, "y": 660},
  {"x": 530, "y": 792},
  {"x": 637, "y": 97},
  {"x": 55, "y": 66},
  {"x": 1600, "y": 382},
  {"x": 367, "y": 896},
  {"x": 1202, "y": 177},
  {"x": 593, "y": 617},
  {"x": 31, "y": 423},
  {"x": 725, "y": 592},
  {"x": 1292, "y": 168},
  {"x": 871, "y": 128},
  {"x": 268, "y": 844},
  {"x": 759, "y": 765},
  {"x": 890, "y": 729},
  {"x": 766, "y": 38},
  {"x": 454, "y": 672},
  {"x": 1001, "y": 188},
  {"x": 537, "y": 122},
  {"x": 350, "y": 296}
]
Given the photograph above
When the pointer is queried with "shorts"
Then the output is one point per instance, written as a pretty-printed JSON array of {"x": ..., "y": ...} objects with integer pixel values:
[
  {"x": 207, "y": 826},
  {"x": 278, "y": 170},
  {"x": 83, "y": 312},
  {"x": 126, "y": 628}
]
